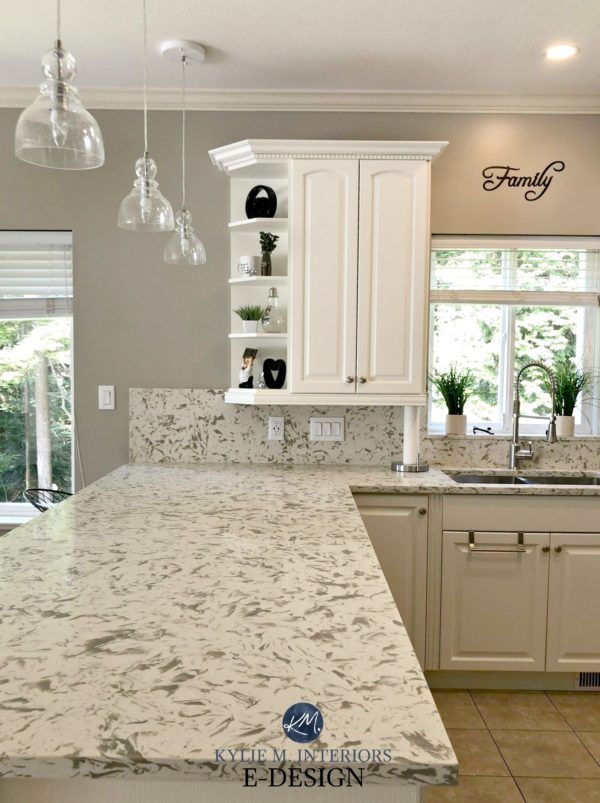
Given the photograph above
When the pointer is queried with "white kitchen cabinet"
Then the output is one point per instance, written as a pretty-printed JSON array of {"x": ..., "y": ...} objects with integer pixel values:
[
  {"x": 494, "y": 601},
  {"x": 397, "y": 527},
  {"x": 573, "y": 603},
  {"x": 357, "y": 238},
  {"x": 324, "y": 204},
  {"x": 393, "y": 276}
]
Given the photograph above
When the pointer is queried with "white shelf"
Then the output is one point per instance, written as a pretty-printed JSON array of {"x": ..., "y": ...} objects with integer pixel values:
[
  {"x": 259, "y": 280},
  {"x": 258, "y": 336},
  {"x": 252, "y": 396},
  {"x": 254, "y": 225}
]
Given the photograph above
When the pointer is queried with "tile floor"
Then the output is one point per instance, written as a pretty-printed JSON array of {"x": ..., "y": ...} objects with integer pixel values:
[{"x": 538, "y": 747}]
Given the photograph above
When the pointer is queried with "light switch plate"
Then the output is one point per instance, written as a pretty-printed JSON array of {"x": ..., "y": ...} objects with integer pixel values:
[
  {"x": 106, "y": 397},
  {"x": 326, "y": 428}
]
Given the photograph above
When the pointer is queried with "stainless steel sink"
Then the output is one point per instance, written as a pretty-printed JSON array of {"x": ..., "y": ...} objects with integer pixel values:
[
  {"x": 488, "y": 479},
  {"x": 512, "y": 479},
  {"x": 570, "y": 480}
]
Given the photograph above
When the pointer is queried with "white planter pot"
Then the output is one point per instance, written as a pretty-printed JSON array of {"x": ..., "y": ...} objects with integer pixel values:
[
  {"x": 456, "y": 425},
  {"x": 565, "y": 426},
  {"x": 249, "y": 327}
]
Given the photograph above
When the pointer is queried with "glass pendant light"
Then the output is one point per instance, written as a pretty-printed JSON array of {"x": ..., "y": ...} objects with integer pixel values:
[
  {"x": 145, "y": 208},
  {"x": 57, "y": 130},
  {"x": 183, "y": 246}
]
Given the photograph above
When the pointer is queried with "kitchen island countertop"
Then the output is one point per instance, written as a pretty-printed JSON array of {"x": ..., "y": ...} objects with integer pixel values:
[{"x": 166, "y": 612}]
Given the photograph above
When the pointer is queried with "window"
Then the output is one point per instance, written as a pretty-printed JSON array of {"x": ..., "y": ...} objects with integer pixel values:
[
  {"x": 498, "y": 303},
  {"x": 35, "y": 365}
]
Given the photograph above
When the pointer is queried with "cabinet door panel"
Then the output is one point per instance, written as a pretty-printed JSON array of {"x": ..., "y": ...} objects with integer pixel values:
[
  {"x": 323, "y": 268},
  {"x": 573, "y": 603},
  {"x": 393, "y": 276},
  {"x": 399, "y": 538},
  {"x": 493, "y": 604}
]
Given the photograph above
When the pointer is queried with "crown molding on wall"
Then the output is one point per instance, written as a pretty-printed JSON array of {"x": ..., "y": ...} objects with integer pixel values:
[{"x": 248, "y": 100}]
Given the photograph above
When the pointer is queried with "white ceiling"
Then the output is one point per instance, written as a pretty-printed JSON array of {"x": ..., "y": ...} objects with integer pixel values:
[{"x": 440, "y": 46}]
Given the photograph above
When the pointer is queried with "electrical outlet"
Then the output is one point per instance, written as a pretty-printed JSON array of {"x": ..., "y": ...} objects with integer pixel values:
[
  {"x": 326, "y": 429},
  {"x": 276, "y": 428}
]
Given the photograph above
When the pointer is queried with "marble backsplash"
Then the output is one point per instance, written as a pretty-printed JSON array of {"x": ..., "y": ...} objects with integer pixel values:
[{"x": 191, "y": 425}]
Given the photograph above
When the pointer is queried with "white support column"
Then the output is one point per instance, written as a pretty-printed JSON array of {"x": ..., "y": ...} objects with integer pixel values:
[{"x": 410, "y": 445}]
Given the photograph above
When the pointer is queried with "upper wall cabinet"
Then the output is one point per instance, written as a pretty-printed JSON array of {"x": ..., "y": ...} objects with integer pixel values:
[
  {"x": 324, "y": 270},
  {"x": 352, "y": 267}
]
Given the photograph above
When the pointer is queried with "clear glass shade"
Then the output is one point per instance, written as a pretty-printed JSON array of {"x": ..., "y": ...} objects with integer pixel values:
[
  {"x": 57, "y": 130},
  {"x": 183, "y": 246},
  {"x": 145, "y": 208}
]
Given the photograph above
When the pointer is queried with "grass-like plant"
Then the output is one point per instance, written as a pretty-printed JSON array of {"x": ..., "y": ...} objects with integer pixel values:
[
  {"x": 250, "y": 312},
  {"x": 569, "y": 383},
  {"x": 455, "y": 386},
  {"x": 268, "y": 242}
]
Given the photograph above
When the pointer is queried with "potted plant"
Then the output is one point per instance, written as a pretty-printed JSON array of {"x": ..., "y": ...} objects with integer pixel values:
[
  {"x": 268, "y": 243},
  {"x": 250, "y": 314},
  {"x": 569, "y": 383},
  {"x": 455, "y": 387}
]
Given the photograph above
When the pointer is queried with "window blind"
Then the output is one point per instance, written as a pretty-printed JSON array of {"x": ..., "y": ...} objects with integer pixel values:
[
  {"x": 535, "y": 270},
  {"x": 36, "y": 274}
]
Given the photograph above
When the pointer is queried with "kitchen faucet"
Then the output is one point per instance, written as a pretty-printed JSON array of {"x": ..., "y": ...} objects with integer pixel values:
[{"x": 516, "y": 452}]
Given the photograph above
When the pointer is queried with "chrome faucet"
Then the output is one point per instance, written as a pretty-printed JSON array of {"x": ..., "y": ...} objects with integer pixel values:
[{"x": 516, "y": 451}]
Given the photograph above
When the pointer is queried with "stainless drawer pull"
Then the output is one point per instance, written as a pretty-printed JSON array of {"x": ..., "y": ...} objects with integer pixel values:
[{"x": 519, "y": 548}]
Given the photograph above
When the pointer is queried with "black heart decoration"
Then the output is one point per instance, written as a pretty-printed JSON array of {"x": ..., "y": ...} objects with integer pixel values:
[{"x": 279, "y": 367}]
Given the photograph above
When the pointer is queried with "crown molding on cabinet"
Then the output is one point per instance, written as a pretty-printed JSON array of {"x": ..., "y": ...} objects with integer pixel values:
[
  {"x": 320, "y": 100},
  {"x": 250, "y": 152}
]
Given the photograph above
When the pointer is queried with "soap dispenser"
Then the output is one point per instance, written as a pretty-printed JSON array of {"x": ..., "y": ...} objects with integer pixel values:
[{"x": 274, "y": 320}]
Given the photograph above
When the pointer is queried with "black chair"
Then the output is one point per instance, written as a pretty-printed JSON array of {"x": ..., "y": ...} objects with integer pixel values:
[{"x": 43, "y": 498}]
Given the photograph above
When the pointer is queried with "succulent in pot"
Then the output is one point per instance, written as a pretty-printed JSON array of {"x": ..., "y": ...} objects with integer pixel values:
[
  {"x": 570, "y": 383},
  {"x": 250, "y": 314},
  {"x": 456, "y": 388}
]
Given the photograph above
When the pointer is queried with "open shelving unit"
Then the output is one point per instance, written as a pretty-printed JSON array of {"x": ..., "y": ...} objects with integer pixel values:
[{"x": 244, "y": 240}]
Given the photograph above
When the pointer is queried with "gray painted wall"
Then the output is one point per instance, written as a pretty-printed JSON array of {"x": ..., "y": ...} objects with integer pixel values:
[{"x": 139, "y": 323}]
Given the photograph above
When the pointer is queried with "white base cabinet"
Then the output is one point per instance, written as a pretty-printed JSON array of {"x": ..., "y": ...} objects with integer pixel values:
[
  {"x": 573, "y": 603},
  {"x": 494, "y": 601},
  {"x": 397, "y": 527},
  {"x": 533, "y": 610}
]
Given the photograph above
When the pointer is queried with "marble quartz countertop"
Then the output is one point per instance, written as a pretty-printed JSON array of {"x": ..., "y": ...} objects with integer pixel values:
[{"x": 167, "y": 612}]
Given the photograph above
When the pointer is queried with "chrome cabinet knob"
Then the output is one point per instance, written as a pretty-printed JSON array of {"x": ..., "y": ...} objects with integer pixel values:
[
  {"x": 349, "y": 379},
  {"x": 422, "y": 511},
  {"x": 362, "y": 379},
  {"x": 558, "y": 548},
  {"x": 545, "y": 549}
]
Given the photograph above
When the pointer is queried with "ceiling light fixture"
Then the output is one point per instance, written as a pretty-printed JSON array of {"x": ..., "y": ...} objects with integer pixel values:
[
  {"x": 57, "y": 130},
  {"x": 183, "y": 246},
  {"x": 145, "y": 208},
  {"x": 561, "y": 52}
]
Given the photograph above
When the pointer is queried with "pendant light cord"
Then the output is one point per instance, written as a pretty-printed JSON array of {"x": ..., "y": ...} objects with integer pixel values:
[
  {"x": 183, "y": 104},
  {"x": 58, "y": 21},
  {"x": 145, "y": 78}
]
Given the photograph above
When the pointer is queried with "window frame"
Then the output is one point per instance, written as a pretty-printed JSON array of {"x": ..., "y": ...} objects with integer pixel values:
[
  {"x": 39, "y": 308},
  {"x": 589, "y": 299}
]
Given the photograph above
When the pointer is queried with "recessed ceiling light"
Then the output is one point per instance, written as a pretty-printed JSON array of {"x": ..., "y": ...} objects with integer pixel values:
[{"x": 560, "y": 52}]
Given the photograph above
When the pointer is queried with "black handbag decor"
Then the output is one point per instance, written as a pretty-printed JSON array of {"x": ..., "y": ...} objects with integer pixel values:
[
  {"x": 263, "y": 206},
  {"x": 269, "y": 365}
]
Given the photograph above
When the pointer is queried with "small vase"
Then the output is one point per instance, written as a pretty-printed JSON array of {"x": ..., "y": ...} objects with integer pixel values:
[
  {"x": 249, "y": 327},
  {"x": 265, "y": 265},
  {"x": 565, "y": 426},
  {"x": 456, "y": 424}
]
